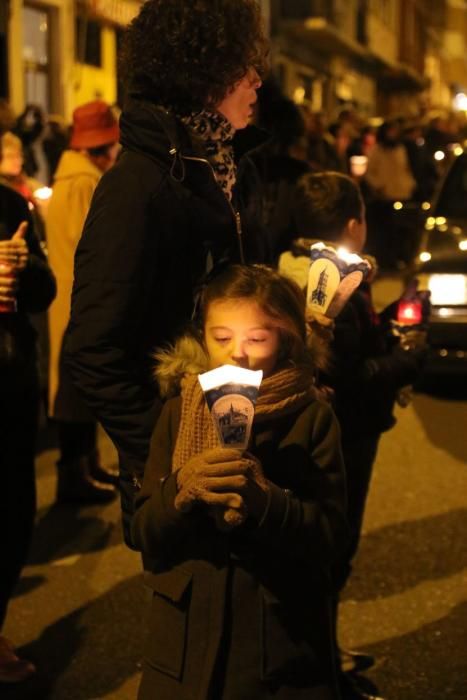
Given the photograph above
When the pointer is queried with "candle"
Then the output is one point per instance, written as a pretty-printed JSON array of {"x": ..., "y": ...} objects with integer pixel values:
[
  {"x": 333, "y": 276},
  {"x": 231, "y": 394}
]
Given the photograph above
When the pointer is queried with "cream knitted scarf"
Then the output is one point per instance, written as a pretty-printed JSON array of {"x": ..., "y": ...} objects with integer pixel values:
[{"x": 280, "y": 394}]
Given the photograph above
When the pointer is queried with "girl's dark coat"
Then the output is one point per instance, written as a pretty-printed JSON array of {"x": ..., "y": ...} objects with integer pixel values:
[{"x": 267, "y": 585}]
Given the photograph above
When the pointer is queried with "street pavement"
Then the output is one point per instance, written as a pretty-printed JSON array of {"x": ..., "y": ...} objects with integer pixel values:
[{"x": 80, "y": 608}]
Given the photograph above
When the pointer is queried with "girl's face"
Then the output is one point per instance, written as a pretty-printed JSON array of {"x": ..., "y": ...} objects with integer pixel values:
[
  {"x": 238, "y": 332},
  {"x": 237, "y": 106}
]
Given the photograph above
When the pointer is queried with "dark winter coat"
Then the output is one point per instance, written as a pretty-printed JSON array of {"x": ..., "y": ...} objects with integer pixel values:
[
  {"x": 18, "y": 358},
  {"x": 158, "y": 221},
  {"x": 368, "y": 368},
  {"x": 246, "y": 612}
]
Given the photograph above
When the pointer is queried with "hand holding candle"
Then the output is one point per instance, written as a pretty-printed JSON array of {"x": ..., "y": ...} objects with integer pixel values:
[{"x": 231, "y": 394}]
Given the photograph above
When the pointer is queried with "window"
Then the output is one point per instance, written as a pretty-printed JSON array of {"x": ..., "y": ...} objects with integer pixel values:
[{"x": 88, "y": 42}]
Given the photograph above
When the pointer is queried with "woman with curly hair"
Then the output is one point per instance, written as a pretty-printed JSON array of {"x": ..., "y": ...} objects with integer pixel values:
[{"x": 173, "y": 207}]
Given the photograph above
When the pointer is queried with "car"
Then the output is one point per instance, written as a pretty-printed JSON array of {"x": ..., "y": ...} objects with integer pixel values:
[{"x": 441, "y": 267}]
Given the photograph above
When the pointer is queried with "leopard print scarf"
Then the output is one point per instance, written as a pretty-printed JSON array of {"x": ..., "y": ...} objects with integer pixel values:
[{"x": 216, "y": 133}]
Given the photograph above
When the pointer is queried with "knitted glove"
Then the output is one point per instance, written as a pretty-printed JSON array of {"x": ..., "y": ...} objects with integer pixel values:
[
  {"x": 254, "y": 493},
  {"x": 214, "y": 477}
]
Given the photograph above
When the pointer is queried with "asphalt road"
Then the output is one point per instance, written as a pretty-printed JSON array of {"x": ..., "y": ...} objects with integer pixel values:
[{"x": 80, "y": 607}]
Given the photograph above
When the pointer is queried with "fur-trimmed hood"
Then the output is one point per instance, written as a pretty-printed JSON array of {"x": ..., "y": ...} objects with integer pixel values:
[{"x": 187, "y": 356}]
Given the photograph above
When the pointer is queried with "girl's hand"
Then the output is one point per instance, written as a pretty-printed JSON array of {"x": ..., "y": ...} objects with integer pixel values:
[
  {"x": 15, "y": 251},
  {"x": 215, "y": 477}
]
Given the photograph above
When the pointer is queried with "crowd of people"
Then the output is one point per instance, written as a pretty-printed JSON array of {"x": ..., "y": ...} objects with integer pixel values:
[{"x": 179, "y": 236}]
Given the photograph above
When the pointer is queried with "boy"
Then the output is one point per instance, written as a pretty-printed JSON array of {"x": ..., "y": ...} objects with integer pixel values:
[{"x": 367, "y": 366}]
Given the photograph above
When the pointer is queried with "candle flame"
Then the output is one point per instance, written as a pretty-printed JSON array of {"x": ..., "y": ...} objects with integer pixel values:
[{"x": 229, "y": 374}]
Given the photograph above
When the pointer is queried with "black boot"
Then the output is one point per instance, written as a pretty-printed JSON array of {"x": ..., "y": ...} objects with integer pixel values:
[
  {"x": 105, "y": 475},
  {"x": 76, "y": 485}
]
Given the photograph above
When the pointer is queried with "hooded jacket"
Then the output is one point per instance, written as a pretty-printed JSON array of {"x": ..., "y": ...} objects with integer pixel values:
[
  {"x": 158, "y": 222},
  {"x": 75, "y": 180},
  {"x": 250, "y": 605}
]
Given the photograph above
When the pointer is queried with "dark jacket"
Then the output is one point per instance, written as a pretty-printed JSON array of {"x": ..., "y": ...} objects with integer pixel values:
[
  {"x": 368, "y": 368},
  {"x": 263, "y": 586},
  {"x": 158, "y": 221},
  {"x": 18, "y": 360}
]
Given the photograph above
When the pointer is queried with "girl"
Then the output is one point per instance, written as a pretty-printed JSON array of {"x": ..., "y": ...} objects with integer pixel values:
[{"x": 240, "y": 612}]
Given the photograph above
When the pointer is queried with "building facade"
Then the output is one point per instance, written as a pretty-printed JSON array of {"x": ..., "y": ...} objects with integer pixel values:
[
  {"x": 61, "y": 53},
  {"x": 382, "y": 57}
]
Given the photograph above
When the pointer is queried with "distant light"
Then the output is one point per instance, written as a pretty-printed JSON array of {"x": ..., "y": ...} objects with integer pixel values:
[
  {"x": 457, "y": 230},
  {"x": 443, "y": 311},
  {"x": 425, "y": 256},
  {"x": 448, "y": 290},
  {"x": 463, "y": 244},
  {"x": 43, "y": 193},
  {"x": 460, "y": 102},
  {"x": 426, "y": 206},
  {"x": 398, "y": 205},
  {"x": 358, "y": 165},
  {"x": 439, "y": 155},
  {"x": 299, "y": 95},
  {"x": 440, "y": 220},
  {"x": 458, "y": 151},
  {"x": 30, "y": 206}
]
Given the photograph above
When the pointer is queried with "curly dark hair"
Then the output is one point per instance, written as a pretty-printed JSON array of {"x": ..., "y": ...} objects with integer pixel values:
[{"x": 186, "y": 54}]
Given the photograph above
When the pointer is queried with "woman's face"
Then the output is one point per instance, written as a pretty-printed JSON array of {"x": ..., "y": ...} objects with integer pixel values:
[
  {"x": 239, "y": 333},
  {"x": 237, "y": 105}
]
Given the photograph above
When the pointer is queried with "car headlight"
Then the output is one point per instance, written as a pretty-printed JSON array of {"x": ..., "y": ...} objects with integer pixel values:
[{"x": 447, "y": 290}]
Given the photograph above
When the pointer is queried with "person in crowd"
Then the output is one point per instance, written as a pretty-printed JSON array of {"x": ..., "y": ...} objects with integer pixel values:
[
  {"x": 388, "y": 179},
  {"x": 27, "y": 286},
  {"x": 366, "y": 369},
  {"x": 30, "y": 129},
  {"x": 321, "y": 152},
  {"x": 93, "y": 150},
  {"x": 280, "y": 162},
  {"x": 248, "y": 536},
  {"x": 341, "y": 143},
  {"x": 171, "y": 209}
]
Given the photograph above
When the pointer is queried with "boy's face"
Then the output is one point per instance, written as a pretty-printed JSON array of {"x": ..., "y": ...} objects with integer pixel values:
[{"x": 238, "y": 332}]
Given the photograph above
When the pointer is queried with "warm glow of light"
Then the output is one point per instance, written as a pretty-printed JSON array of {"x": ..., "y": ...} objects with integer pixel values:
[
  {"x": 398, "y": 205},
  {"x": 439, "y": 155},
  {"x": 299, "y": 95},
  {"x": 425, "y": 256},
  {"x": 440, "y": 220},
  {"x": 409, "y": 312},
  {"x": 426, "y": 206},
  {"x": 463, "y": 244},
  {"x": 448, "y": 290},
  {"x": 443, "y": 311},
  {"x": 229, "y": 374},
  {"x": 349, "y": 258},
  {"x": 458, "y": 151},
  {"x": 460, "y": 102},
  {"x": 358, "y": 165},
  {"x": 43, "y": 193}
]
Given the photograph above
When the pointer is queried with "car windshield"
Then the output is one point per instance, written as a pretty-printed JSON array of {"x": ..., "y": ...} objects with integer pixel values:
[{"x": 452, "y": 202}]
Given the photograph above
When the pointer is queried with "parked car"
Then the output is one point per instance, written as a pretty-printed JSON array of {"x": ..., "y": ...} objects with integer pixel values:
[{"x": 441, "y": 267}]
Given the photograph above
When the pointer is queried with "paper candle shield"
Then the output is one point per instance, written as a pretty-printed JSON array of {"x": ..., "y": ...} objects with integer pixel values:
[
  {"x": 333, "y": 276},
  {"x": 231, "y": 394}
]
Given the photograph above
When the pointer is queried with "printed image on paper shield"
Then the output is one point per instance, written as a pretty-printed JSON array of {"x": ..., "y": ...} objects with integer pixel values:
[
  {"x": 332, "y": 277},
  {"x": 231, "y": 394}
]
